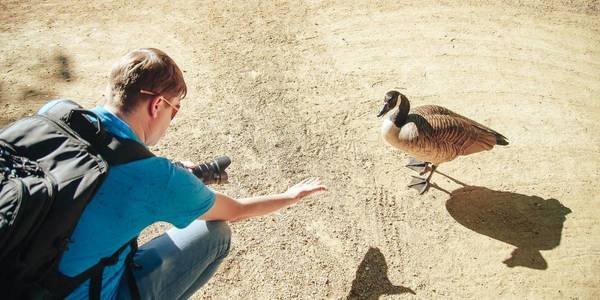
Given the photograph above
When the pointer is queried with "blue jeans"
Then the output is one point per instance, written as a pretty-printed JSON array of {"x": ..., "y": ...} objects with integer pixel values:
[{"x": 177, "y": 263}]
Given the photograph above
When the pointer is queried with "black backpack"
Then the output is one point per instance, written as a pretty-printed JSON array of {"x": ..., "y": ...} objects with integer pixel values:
[{"x": 51, "y": 165}]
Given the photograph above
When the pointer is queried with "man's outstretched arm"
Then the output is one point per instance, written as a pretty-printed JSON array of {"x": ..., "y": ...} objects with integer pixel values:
[{"x": 230, "y": 209}]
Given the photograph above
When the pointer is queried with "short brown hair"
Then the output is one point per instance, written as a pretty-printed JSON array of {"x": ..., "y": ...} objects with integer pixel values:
[{"x": 144, "y": 69}]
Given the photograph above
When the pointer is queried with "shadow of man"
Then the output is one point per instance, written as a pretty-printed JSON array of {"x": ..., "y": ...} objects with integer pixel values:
[
  {"x": 529, "y": 223},
  {"x": 372, "y": 280}
]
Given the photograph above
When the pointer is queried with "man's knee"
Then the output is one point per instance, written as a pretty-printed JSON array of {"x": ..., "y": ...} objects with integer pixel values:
[{"x": 220, "y": 231}]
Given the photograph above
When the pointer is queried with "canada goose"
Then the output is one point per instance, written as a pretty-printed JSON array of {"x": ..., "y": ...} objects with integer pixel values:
[{"x": 432, "y": 135}]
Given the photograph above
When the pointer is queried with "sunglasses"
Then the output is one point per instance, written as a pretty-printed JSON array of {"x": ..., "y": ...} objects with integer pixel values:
[{"x": 175, "y": 107}]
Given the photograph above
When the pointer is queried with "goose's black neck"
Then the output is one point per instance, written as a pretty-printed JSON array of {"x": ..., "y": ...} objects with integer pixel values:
[{"x": 403, "y": 110}]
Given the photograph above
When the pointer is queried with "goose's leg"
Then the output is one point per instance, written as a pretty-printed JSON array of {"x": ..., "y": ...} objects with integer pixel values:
[
  {"x": 422, "y": 184},
  {"x": 417, "y": 165}
]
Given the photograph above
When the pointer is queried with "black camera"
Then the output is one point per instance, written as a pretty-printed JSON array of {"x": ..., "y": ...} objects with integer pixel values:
[{"x": 212, "y": 172}]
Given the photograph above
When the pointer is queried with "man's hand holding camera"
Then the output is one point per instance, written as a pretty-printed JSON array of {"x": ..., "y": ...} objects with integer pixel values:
[{"x": 212, "y": 172}]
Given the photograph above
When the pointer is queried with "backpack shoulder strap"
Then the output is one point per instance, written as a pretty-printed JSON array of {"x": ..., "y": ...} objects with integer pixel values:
[
  {"x": 129, "y": 267},
  {"x": 61, "y": 109},
  {"x": 115, "y": 150},
  {"x": 96, "y": 272},
  {"x": 61, "y": 286},
  {"x": 120, "y": 151}
]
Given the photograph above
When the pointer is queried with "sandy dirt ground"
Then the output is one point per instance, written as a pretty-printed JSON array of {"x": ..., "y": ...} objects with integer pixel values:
[{"x": 292, "y": 89}]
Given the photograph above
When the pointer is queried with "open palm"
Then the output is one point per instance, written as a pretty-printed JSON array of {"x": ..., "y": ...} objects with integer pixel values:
[{"x": 305, "y": 187}]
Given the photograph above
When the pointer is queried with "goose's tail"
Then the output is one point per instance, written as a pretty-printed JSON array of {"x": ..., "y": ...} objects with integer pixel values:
[{"x": 500, "y": 139}]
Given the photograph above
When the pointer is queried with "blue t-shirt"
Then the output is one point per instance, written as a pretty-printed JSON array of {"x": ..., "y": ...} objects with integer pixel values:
[{"x": 133, "y": 196}]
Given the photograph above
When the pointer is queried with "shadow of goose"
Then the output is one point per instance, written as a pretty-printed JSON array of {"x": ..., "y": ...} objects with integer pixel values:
[
  {"x": 529, "y": 223},
  {"x": 372, "y": 280}
]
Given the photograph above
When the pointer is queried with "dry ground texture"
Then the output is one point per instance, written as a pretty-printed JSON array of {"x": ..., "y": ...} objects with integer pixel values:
[{"x": 292, "y": 89}]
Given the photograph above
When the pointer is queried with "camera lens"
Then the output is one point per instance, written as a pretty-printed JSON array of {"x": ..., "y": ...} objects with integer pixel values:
[{"x": 213, "y": 172}]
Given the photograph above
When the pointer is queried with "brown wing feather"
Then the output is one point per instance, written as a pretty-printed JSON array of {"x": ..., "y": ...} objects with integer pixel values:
[
  {"x": 432, "y": 110},
  {"x": 426, "y": 110},
  {"x": 445, "y": 134}
]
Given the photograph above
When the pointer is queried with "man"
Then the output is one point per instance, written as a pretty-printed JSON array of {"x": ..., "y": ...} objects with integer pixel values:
[{"x": 145, "y": 92}]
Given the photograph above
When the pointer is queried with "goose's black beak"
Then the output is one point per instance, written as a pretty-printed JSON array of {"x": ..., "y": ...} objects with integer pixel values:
[{"x": 384, "y": 110}]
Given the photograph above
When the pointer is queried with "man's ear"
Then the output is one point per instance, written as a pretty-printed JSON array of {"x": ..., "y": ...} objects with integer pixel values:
[{"x": 153, "y": 105}]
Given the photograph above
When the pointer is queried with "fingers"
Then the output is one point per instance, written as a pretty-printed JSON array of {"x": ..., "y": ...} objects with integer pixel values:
[
  {"x": 306, "y": 187},
  {"x": 311, "y": 181},
  {"x": 187, "y": 164},
  {"x": 313, "y": 184},
  {"x": 315, "y": 181}
]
